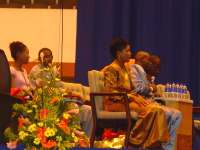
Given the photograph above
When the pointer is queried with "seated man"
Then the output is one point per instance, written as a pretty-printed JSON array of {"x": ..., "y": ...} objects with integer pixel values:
[
  {"x": 142, "y": 75},
  {"x": 39, "y": 72},
  {"x": 159, "y": 128},
  {"x": 138, "y": 74},
  {"x": 154, "y": 68}
]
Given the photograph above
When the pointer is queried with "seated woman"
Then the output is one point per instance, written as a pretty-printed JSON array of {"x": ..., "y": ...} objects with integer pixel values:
[
  {"x": 20, "y": 54},
  {"x": 152, "y": 127}
]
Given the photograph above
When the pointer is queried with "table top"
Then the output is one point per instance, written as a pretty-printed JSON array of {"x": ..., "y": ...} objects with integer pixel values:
[{"x": 175, "y": 99}]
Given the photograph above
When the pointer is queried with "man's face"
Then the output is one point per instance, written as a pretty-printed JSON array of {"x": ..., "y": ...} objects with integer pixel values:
[{"x": 46, "y": 57}]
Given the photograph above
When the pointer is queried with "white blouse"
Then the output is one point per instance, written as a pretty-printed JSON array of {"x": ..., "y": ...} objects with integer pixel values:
[{"x": 19, "y": 78}]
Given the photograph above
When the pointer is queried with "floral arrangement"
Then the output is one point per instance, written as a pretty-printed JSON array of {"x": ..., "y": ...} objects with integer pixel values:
[
  {"x": 47, "y": 121},
  {"x": 111, "y": 139}
]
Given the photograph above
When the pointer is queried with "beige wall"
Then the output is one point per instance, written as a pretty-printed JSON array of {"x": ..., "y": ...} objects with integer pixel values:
[{"x": 39, "y": 28}]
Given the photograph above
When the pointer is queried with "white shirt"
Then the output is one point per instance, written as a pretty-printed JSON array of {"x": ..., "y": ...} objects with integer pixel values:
[
  {"x": 38, "y": 73},
  {"x": 139, "y": 79},
  {"x": 19, "y": 78}
]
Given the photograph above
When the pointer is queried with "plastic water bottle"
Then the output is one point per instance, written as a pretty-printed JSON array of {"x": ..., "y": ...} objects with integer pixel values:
[
  {"x": 178, "y": 93},
  {"x": 188, "y": 95},
  {"x": 173, "y": 90},
  {"x": 181, "y": 91},
  {"x": 170, "y": 91},
  {"x": 166, "y": 95},
  {"x": 184, "y": 92}
]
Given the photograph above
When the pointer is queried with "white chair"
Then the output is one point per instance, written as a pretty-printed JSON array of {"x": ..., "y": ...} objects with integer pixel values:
[
  {"x": 104, "y": 119},
  {"x": 86, "y": 93}
]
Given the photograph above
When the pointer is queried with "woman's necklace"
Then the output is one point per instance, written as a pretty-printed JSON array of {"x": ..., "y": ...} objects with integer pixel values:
[{"x": 26, "y": 82}]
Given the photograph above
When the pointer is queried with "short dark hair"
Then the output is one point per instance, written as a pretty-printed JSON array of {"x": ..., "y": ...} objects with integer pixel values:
[
  {"x": 42, "y": 50},
  {"x": 155, "y": 59},
  {"x": 141, "y": 54},
  {"x": 15, "y": 48},
  {"x": 117, "y": 44},
  {"x": 152, "y": 67}
]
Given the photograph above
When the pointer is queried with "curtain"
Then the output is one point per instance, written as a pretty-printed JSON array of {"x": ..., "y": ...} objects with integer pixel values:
[{"x": 170, "y": 29}]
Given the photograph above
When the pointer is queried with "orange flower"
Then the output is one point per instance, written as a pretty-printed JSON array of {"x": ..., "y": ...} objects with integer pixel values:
[
  {"x": 49, "y": 144},
  {"x": 40, "y": 134},
  {"x": 53, "y": 100},
  {"x": 43, "y": 113},
  {"x": 20, "y": 122},
  {"x": 83, "y": 143},
  {"x": 63, "y": 124}
]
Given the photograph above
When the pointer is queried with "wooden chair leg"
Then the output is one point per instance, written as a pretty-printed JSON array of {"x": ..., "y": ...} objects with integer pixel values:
[
  {"x": 126, "y": 141},
  {"x": 92, "y": 138}
]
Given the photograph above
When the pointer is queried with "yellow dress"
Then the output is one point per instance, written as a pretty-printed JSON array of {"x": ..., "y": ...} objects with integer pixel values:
[{"x": 151, "y": 127}]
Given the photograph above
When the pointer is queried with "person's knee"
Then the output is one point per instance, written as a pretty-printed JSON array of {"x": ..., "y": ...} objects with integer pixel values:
[
  {"x": 86, "y": 108},
  {"x": 178, "y": 115}
]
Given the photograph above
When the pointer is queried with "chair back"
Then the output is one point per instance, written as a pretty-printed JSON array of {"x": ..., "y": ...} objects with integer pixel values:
[
  {"x": 75, "y": 88},
  {"x": 96, "y": 84},
  {"x": 86, "y": 93},
  {"x": 5, "y": 77}
]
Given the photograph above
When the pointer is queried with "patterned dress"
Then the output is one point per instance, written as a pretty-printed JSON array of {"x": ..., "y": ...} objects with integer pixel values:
[{"x": 151, "y": 128}]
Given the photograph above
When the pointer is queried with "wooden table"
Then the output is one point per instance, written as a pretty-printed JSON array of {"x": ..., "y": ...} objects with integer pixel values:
[{"x": 184, "y": 132}]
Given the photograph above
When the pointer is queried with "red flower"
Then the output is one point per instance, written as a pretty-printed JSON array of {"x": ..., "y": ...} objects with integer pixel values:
[
  {"x": 49, "y": 144},
  {"x": 43, "y": 113},
  {"x": 83, "y": 143},
  {"x": 63, "y": 124},
  {"x": 20, "y": 122},
  {"x": 109, "y": 134},
  {"x": 40, "y": 134},
  {"x": 16, "y": 93}
]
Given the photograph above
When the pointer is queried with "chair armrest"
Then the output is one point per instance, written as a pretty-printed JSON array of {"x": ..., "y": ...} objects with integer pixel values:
[
  {"x": 124, "y": 94},
  {"x": 108, "y": 94},
  {"x": 160, "y": 101},
  {"x": 127, "y": 109}
]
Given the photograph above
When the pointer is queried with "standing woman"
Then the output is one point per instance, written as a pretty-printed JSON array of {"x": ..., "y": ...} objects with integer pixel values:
[{"x": 20, "y": 54}]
